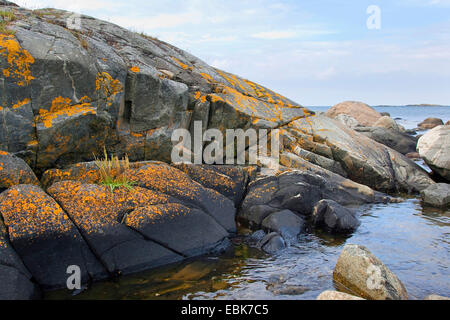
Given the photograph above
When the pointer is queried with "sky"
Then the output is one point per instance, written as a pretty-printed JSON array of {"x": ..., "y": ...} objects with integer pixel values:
[{"x": 317, "y": 53}]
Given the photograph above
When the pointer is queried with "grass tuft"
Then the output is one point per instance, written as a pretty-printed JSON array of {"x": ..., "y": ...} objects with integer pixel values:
[
  {"x": 112, "y": 171},
  {"x": 6, "y": 18}
]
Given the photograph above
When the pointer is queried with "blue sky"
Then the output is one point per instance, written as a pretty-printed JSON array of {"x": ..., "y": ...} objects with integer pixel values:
[{"x": 314, "y": 52}]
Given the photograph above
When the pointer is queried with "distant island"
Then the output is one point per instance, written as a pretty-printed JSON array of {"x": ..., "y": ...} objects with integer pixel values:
[{"x": 412, "y": 105}]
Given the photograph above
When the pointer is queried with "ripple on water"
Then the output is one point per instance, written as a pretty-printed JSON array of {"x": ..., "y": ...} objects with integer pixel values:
[{"x": 412, "y": 241}]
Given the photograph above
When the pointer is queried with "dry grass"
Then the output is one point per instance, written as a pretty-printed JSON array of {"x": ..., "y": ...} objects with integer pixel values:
[
  {"x": 112, "y": 171},
  {"x": 6, "y": 18}
]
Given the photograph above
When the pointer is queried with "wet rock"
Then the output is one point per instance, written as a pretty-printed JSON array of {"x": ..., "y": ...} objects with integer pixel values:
[
  {"x": 394, "y": 139},
  {"x": 257, "y": 236},
  {"x": 16, "y": 280},
  {"x": 430, "y": 123},
  {"x": 285, "y": 222},
  {"x": 45, "y": 238},
  {"x": 272, "y": 243},
  {"x": 437, "y": 195},
  {"x": 434, "y": 148},
  {"x": 99, "y": 213},
  {"x": 287, "y": 290},
  {"x": 334, "y": 217},
  {"x": 254, "y": 215},
  {"x": 14, "y": 170},
  {"x": 436, "y": 297},
  {"x": 363, "y": 113},
  {"x": 363, "y": 274},
  {"x": 189, "y": 232},
  {"x": 336, "y": 295}
]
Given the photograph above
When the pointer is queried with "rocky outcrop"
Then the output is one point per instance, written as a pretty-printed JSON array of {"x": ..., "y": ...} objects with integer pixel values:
[
  {"x": 434, "y": 148},
  {"x": 430, "y": 123},
  {"x": 334, "y": 217},
  {"x": 361, "y": 112},
  {"x": 362, "y": 274},
  {"x": 437, "y": 195},
  {"x": 388, "y": 123},
  {"x": 394, "y": 139}
]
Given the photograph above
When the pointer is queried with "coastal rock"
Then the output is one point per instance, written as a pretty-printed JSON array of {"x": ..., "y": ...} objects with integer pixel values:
[
  {"x": 16, "y": 280},
  {"x": 363, "y": 159},
  {"x": 285, "y": 222},
  {"x": 413, "y": 155},
  {"x": 347, "y": 120},
  {"x": 363, "y": 274},
  {"x": 437, "y": 195},
  {"x": 434, "y": 148},
  {"x": 388, "y": 123},
  {"x": 45, "y": 238},
  {"x": 299, "y": 191},
  {"x": 272, "y": 243},
  {"x": 336, "y": 295},
  {"x": 14, "y": 170},
  {"x": 430, "y": 123},
  {"x": 98, "y": 213},
  {"x": 334, "y": 217},
  {"x": 394, "y": 139},
  {"x": 363, "y": 113}
]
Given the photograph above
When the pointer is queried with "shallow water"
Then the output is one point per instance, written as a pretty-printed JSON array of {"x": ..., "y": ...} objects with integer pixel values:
[{"x": 413, "y": 242}]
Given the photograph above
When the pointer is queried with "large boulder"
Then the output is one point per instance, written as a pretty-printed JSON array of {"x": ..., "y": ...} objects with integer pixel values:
[
  {"x": 361, "y": 112},
  {"x": 394, "y": 139},
  {"x": 334, "y": 217},
  {"x": 437, "y": 195},
  {"x": 363, "y": 159},
  {"x": 360, "y": 272},
  {"x": 434, "y": 148},
  {"x": 430, "y": 123},
  {"x": 388, "y": 123},
  {"x": 14, "y": 170},
  {"x": 45, "y": 238}
]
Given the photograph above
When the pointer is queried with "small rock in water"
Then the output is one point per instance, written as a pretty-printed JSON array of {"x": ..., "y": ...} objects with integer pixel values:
[
  {"x": 430, "y": 123},
  {"x": 336, "y": 295},
  {"x": 362, "y": 273},
  {"x": 334, "y": 217},
  {"x": 287, "y": 290},
  {"x": 272, "y": 243},
  {"x": 285, "y": 222}
]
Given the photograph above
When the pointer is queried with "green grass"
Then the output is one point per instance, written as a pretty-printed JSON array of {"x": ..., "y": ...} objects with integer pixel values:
[
  {"x": 7, "y": 15},
  {"x": 112, "y": 171},
  {"x": 6, "y": 18}
]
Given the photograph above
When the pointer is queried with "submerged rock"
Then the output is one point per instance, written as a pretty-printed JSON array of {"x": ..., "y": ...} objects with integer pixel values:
[
  {"x": 437, "y": 195},
  {"x": 334, "y": 217},
  {"x": 434, "y": 148},
  {"x": 363, "y": 274},
  {"x": 272, "y": 243}
]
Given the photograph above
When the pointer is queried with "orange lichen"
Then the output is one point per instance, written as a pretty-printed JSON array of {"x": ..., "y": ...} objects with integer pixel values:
[
  {"x": 183, "y": 65},
  {"x": 21, "y": 103},
  {"x": 135, "y": 69},
  {"x": 18, "y": 59},
  {"x": 62, "y": 106},
  {"x": 108, "y": 86},
  {"x": 29, "y": 212},
  {"x": 149, "y": 214}
]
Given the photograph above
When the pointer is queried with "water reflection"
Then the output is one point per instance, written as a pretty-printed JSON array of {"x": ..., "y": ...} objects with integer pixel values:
[{"x": 412, "y": 241}]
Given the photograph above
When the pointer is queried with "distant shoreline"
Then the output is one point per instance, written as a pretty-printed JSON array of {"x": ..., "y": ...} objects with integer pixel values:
[{"x": 391, "y": 106}]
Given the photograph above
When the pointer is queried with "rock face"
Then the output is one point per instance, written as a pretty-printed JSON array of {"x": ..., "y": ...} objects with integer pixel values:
[
  {"x": 434, "y": 148},
  {"x": 430, "y": 123},
  {"x": 336, "y": 295},
  {"x": 361, "y": 112},
  {"x": 437, "y": 195},
  {"x": 394, "y": 139},
  {"x": 332, "y": 216},
  {"x": 14, "y": 170},
  {"x": 360, "y": 272}
]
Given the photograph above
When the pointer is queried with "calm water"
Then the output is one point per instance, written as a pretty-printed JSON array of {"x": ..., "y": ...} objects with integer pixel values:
[
  {"x": 409, "y": 117},
  {"x": 414, "y": 243}
]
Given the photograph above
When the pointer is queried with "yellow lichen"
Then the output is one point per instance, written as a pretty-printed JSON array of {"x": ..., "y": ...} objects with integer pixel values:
[
  {"x": 18, "y": 59},
  {"x": 108, "y": 86}
]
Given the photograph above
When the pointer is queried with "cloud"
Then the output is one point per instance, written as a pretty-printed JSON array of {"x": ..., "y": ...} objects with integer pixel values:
[{"x": 274, "y": 35}]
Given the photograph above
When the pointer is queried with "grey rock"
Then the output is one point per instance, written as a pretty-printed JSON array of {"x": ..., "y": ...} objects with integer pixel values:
[
  {"x": 394, "y": 139},
  {"x": 437, "y": 195},
  {"x": 285, "y": 222},
  {"x": 334, "y": 217},
  {"x": 272, "y": 243}
]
